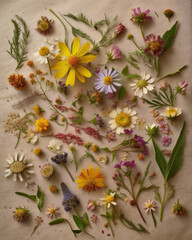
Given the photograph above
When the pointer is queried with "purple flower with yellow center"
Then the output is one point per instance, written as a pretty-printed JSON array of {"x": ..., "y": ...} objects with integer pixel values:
[
  {"x": 107, "y": 81},
  {"x": 154, "y": 44},
  {"x": 166, "y": 140},
  {"x": 129, "y": 164},
  {"x": 139, "y": 17},
  {"x": 70, "y": 201},
  {"x": 114, "y": 53}
]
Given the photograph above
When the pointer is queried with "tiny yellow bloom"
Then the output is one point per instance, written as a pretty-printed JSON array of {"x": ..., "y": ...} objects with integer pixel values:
[
  {"x": 42, "y": 124},
  {"x": 37, "y": 109},
  {"x": 53, "y": 189},
  {"x": 94, "y": 148},
  {"x": 37, "y": 151}
]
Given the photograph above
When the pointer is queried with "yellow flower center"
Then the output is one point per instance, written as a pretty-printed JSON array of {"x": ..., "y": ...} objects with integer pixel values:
[
  {"x": 20, "y": 212},
  {"x": 17, "y": 167},
  {"x": 172, "y": 112},
  {"x": 73, "y": 61},
  {"x": 149, "y": 205},
  {"x": 44, "y": 25},
  {"x": 109, "y": 198},
  {"x": 141, "y": 83},
  {"x": 91, "y": 182},
  {"x": 43, "y": 51},
  {"x": 123, "y": 119},
  {"x": 154, "y": 46},
  {"x": 107, "y": 80},
  {"x": 51, "y": 210}
]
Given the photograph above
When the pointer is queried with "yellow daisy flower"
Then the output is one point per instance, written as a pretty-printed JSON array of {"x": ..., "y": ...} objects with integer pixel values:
[
  {"x": 90, "y": 179},
  {"x": 41, "y": 124},
  {"x": 71, "y": 61}
]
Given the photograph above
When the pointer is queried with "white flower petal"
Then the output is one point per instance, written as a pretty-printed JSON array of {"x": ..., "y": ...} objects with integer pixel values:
[
  {"x": 20, "y": 177},
  {"x": 113, "y": 114},
  {"x": 8, "y": 174},
  {"x": 113, "y": 126}
]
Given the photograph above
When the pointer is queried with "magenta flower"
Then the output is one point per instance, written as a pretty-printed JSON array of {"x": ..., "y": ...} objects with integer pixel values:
[
  {"x": 182, "y": 87},
  {"x": 166, "y": 140},
  {"x": 155, "y": 44},
  {"x": 129, "y": 164},
  {"x": 118, "y": 165},
  {"x": 114, "y": 53},
  {"x": 119, "y": 29},
  {"x": 139, "y": 17}
]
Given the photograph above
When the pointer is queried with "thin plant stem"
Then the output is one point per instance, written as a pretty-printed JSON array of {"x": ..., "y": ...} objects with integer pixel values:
[
  {"x": 88, "y": 233},
  {"x": 36, "y": 226},
  {"x": 18, "y": 138},
  {"x": 109, "y": 224},
  {"x": 70, "y": 227},
  {"x": 164, "y": 200},
  {"x": 136, "y": 44},
  {"x": 141, "y": 28},
  {"x": 69, "y": 173},
  {"x": 119, "y": 217},
  {"x": 49, "y": 66}
]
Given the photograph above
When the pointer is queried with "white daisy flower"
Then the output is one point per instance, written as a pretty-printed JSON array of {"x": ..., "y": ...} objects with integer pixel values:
[
  {"x": 143, "y": 85},
  {"x": 52, "y": 211},
  {"x": 122, "y": 119},
  {"x": 18, "y": 166},
  {"x": 54, "y": 145},
  {"x": 150, "y": 206},
  {"x": 109, "y": 200},
  {"x": 172, "y": 112}
]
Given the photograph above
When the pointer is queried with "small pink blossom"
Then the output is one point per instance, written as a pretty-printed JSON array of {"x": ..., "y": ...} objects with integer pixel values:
[
  {"x": 114, "y": 53},
  {"x": 91, "y": 205},
  {"x": 139, "y": 17},
  {"x": 182, "y": 87},
  {"x": 154, "y": 44},
  {"x": 119, "y": 29},
  {"x": 166, "y": 140},
  {"x": 164, "y": 127},
  {"x": 94, "y": 219}
]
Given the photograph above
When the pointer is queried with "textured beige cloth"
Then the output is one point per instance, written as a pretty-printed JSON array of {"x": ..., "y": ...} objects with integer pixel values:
[{"x": 172, "y": 227}]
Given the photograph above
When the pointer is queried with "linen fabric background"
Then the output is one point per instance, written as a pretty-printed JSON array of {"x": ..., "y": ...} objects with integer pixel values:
[{"x": 179, "y": 54}]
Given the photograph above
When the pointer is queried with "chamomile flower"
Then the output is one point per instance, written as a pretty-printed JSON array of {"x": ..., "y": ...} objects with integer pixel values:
[
  {"x": 52, "y": 211},
  {"x": 150, "y": 206},
  {"x": 18, "y": 166},
  {"x": 109, "y": 199},
  {"x": 107, "y": 81},
  {"x": 172, "y": 112},
  {"x": 122, "y": 119},
  {"x": 143, "y": 85}
]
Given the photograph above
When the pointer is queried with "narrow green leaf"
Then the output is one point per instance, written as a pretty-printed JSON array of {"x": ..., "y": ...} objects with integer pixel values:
[
  {"x": 32, "y": 197},
  {"x": 57, "y": 221},
  {"x": 175, "y": 160},
  {"x": 76, "y": 231},
  {"x": 125, "y": 70},
  {"x": 154, "y": 220},
  {"x": 121, "y": 92},
  {"x": 41, "y": 198},
  {"x": 113, "y": 156},
  {"x": 160, "y": 158},
  {"x": 79, "y": 222},
  {"x": 105, "y": 149},
  {"x": 156, "y": 62},
  {"x": 169, "y": 35},
  {"x": 133, "y": 76}
]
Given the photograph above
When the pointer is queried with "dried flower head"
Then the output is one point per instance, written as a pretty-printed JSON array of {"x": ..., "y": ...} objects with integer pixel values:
[
  {"x": 91, "y": 205},
  {"x": 18, "y": 82},
  {"x": 151, "y": 129},
  {"x": 21, "y": 214},
  {"x": 154, "y": 44},
  {"x": 95, "y": 148},
  {"x": 37, "y": 151},
  {"x": 119, "y": 29},
  {"x": 53, "y": 189},
  {"x": 69, "y": 138},
  {"x": 94, "y": 97},
  {"x": 94, "y": 219},
  {"x": 172, "y": 112},
  {"x": 47, "y": 170},
  {"x": 103, "y": 159},
  {"x": 62, "y": 87},
  {"x": 52, "y": 211},
  {"x": 54, "y": 146},
  {"x": 139, "y": 17},
  {"x": 181, "y": 87},
  {"x": 38, "y": 110},
  {"x": 44, "y": 25},
  {"x": 168, "y": 13},
  {"x": 42, "y": 124},
  {"x": 114, "y": 53},
  {"x": 38, "y": 220},
  {"x": 60, "y": 158},
  {"x": 177, "y": 208}
]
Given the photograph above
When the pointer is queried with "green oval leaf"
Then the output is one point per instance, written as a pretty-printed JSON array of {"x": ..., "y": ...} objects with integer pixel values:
[
  {"x": 121, "y": 92},
  {"x": 79, "y": 222},
  {"x": 125, "y": 70},
  {"x": 57, "y": 221},
  {"x": 32, "y": 197},
  {"x": 41, "y": 198}
]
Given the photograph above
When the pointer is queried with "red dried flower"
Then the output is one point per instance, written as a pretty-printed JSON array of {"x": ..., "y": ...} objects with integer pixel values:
[
  {"x": 69, "y": 138},
  {"x": 91, "y": 131},
  {"x": 44, "y": 25}
]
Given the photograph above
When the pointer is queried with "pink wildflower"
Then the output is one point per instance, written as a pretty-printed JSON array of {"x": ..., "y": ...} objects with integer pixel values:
[
  {"x": 69, "y": 138},
  {"x": 114, "y": 53},
  {"x": 164, "y": 127},
  {"x": 166, "y": 140},
  {"x": 182, "y": 87},
  {"x": 154, "y": 44},
  {"x": 94, "y": 219},
  {"x": 111, "y": 136},
  {"x": 139, "y": 17},
  {"x": 119, "y": 29},
  {"x": 91, "y": 131},
  {"x": 91, "y": 205}
]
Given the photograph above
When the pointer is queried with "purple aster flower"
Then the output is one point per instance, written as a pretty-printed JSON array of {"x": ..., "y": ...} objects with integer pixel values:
[
  {"x": 107, "y": 81},
  {"x": 164, "y": 127},
  {"x": 114, "y": 53},
  {"x": 60, "y": 158},
  {"x": 129, "y": 164},
  {"x": 118, "y": 165},
  {"x": 119, "y": 29},
  {"x": 139, "y": 17},
  {"x": 126, "y": 131},
  {"x": 166, "y": 140},
  {"x": 70, "y": 201},
  {"x": 154, "y": 44}
]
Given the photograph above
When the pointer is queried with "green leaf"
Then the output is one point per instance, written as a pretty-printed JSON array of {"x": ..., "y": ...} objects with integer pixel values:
[
  {"x": 57, "y": 221},
  {"x": 125, "y": 70},
  {"x": 156, "y": 62},
  {"x": 133, "y": 76},
  {"x": 85, "y": 219},
  {"x": 141, "y": 188},
  {"x": 76, "y": 231},
  {"x": 106, "y": 149},
  {"x": 175, "y": 160},
  {"x": 160, "y": 159},
  {"x": 169, "y": 35},
  {"x": 41, "y": 198},
  {"x": 113, "y": 156},
  {"x": 32, "y": 197},
  {"x": 154, "y": 220},
  {"x": 121, "y": 92},
  {"x": 79, "y": 222}
]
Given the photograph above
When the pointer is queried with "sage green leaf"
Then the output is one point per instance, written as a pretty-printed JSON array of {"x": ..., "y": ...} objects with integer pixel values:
[
  {"x": 32, "y": 197},
  {"x": 79, "y": 222},
  {"x": 125, "y": 70},
  {"x": 41, "y": 199},
  {"x": 57, "y": 221},
  {"x": 160, "y": 159},
  {"x": 176, "y": 156},
  {"x": 169, "y": 35},
  {"x": 133, "y": 76},
  {"x": 106, "y": 149},
  {"x": 121, "y": 92}
]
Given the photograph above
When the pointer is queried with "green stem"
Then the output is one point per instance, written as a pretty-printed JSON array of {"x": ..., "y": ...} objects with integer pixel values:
[
  {"x": 71, "y": 227},
  {"x": 164, "y": 200},
  {"x": 148, "y": 139},
  {"x": 88, "y": 233},
  {"x": 77, "y": 213},
  {"x": 136, "y": 44},
  {"x": 65, "y": 40},
  {"x": 36, "y": 226},
  {"x": 140, "y": 25},
  {"x": 18, "y": 138},
  {"x": 109, "y": 224},
  {"x": 49, "y": 66},
  {"x": 69, "y": 173},
  {"x": 120, "y": 217}
]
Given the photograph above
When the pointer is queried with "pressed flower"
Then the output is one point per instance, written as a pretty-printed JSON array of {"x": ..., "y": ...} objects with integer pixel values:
[
  {"x": 18, "y": 82},
  {"x": 168, "y": 13},
  {"x": 71, "y": 61},
  {"x": 111, "y": 136},
  {"x": 143, "y": 85},
  {"x": 47, "y": 170},
  {"x": 154, "y": 44},
  {"x": 139, "y": 17},
  {"x": 129, "y": 164},
  {"x": 62, "y": 88},
  {"x": 44, "y": 25},
  {"x": 109, "y": 199},
  {"x": 141, "y": 156},
  {"x": 178, "y": 209},
  {"x": 90, "y": 179},
  {"x": 114, "y": 53},
  {"x": 69, "y": 138},
  {"x": 129, "y": 36},
  {"x": 70, "y": 201},
  {"x": 87, "y": 145},
  {"x": 122, "y": 119},
  {"x": 31, "y": 137},
  {"x": 103, "y": 159},
  {"x": 53, "y": 189},
  {"x": 166, "y": 140},
  {"x": 21, "y": 214},
  {"x": 119, "y": 29},
  {"x": 94, "y": 97},
  {"x": 98, "y": 120},
  {"x": 151, "y": 129},
  {"x": 107, "y": 81},
  {"x": 38, "y": 221},
  {"x": 172, "y": 112},
  {"x": 37, "y": 151},
  {"x": 30, "y": 64},
  {"x": 91, "y": 205},
  {"x": 164, "y": 127},
  {"x": 52, "y": 211},
  {"x": 181, "y": 87},
  {"x": 37, "y": 109},
  {"x": 54, "y": 146},
  {"x": 150, "y": 206},
  {"x": 118, "y": 165},
  {"x": 95, "y": 148},
  {"x": 18, "y": 166},
  {"x": 94, "y": 218},
  {"x": 92, "y": 132},
  {"x": 42, "y": 124}
]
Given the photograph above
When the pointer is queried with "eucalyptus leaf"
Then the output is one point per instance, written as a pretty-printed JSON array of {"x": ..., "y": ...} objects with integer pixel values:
[
  {"x": 32, "y": 197},
  {"x": 169, "y": 35},
  {"x": 79, "y": 222},
  {"x": 121, "y": 92},
  {"x": 175, "y": 160},
  {"x": 57, "y": 221},
  {"x": 160, "y": 158}
]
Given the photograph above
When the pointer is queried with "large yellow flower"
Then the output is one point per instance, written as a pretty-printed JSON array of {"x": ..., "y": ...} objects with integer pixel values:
[
  {"x": 72, "y": 62},
  {"x": 90, "y": 179}
]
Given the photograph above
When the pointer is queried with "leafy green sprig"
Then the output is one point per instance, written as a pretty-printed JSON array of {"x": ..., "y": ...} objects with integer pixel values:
[{"x": 18, "y": 44}]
